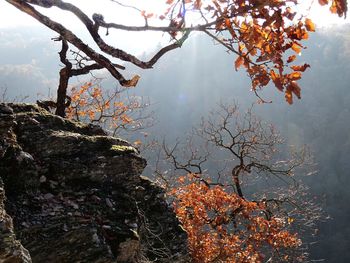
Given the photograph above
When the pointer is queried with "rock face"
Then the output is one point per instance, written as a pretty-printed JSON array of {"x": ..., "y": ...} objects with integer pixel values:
[{"x": 74, "y": 194}]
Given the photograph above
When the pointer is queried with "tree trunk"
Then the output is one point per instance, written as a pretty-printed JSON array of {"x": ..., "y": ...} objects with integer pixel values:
[
  {"x": 62, "y": 92},
  {"x": 235, "y": 173}
]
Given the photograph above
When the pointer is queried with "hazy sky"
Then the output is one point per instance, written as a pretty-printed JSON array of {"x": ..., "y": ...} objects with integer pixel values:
[
  {"x": 13, "y": 18},
  {"x": 135, "y": 43},
  {"x": 10, "y": 16},
  {"x": 18, "y": 31},
  {"x": 29, "y": 64}
]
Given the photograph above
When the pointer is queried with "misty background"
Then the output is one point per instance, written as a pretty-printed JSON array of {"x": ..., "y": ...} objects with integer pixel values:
[{"x": 189, "y": 82}]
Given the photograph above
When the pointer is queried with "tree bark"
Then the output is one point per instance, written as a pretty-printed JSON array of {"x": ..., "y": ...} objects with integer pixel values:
[
  {"x": 62, "y": 92},
  {"x": 235, "y": 175}
]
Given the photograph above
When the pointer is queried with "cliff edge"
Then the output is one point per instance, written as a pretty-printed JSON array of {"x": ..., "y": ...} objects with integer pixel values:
[{"x": 70, "y": 193}]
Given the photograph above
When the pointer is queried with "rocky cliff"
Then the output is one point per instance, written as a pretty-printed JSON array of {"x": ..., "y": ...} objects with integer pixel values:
[{"x": 70, "y": 193}]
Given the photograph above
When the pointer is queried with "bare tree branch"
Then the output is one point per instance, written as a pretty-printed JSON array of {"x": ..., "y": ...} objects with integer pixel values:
[{"x": 70, "y": 37}]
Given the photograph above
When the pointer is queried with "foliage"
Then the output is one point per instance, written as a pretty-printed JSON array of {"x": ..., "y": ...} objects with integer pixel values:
[
  {"x": 224, "y": 227},
  {"x": 114, "y": 110},
  {"x": 265, "y": 35},
  {"x": 240, "y": 201}
]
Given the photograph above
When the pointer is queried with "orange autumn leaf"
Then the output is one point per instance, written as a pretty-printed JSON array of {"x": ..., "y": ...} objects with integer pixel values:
[
  {"x": 91, "y": 114},
  {"x": 294, "y": 75},
  {"x": 81, "y": 113},
  {"x": 291, "y": 58},
  {"x": 97, "y": 92},
  {"x": 82, "y": 102},
  {"x": 323, "y": 2},
  {"x": 274, "y": 75},
  {"x": 288, "y": 95},
  {"x": 310, "y": 26},
  {"x": 295, "y": 89},
  {"x": 125, "y": 119},
  {"x": 239, "y": 62},
  {"x": 276, "y": 78},
  {"x": 296, "y": 48},
  {"x": 228, "y": 25},
  {"x": 132, "y": 82},
  {"x": 301, "y": 68}
]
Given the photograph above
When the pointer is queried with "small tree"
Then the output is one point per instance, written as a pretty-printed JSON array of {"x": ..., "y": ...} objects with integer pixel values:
[
  {"x": 260, "y": 33},
  {"x": 115, "y": 110},
  {"x": 240, "y": 200}
]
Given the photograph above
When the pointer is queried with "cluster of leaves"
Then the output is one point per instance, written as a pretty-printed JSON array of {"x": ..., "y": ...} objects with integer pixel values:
[
  {"x": 264, "y": 35},
  {"x": 89, "y": 103},
  {"x": 224, "y": 227}
]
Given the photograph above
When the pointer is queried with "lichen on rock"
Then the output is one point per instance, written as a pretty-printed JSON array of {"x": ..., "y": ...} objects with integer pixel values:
[
  {"x": 122, "y": 149},
  {"x": 75, "y": 194}
]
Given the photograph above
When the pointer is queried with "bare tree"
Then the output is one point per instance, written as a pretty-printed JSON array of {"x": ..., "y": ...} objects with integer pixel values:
[{"x": 91, "y": 60}]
